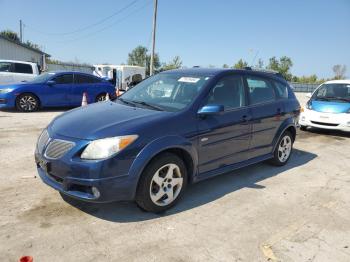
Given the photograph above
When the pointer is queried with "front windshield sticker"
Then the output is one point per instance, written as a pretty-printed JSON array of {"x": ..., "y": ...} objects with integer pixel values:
[{"x": 188, "y": 79}]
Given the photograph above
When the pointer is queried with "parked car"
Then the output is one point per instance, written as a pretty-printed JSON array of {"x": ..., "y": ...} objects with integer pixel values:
[
  {"x": 174, "y": 128},
  {"x": 12, "y": 71},
  {"x": 328, "y": 107},
  {"x": 55, "y": 89}
]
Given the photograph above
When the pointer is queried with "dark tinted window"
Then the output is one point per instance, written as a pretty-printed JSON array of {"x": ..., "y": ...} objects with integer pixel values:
[
  {"x": 23, "y": 68},
  {"x": 260, "y": 90},
  {"x": 85, "y": 79},
  {"x": 229, "y": 92},
  {"x": 64, "y": 79},
  {"x": 282, "y": 89}
]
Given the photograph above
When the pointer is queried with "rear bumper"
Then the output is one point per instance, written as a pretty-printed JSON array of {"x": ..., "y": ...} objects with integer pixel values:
[{"x": 329, "y": 121}]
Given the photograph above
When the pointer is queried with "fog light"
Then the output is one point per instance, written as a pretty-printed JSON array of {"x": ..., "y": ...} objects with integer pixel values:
[{"x": 95, "y": 192}]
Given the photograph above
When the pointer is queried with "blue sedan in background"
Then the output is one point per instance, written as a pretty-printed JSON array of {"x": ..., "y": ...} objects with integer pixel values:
[{"x": 55, "y": 89}]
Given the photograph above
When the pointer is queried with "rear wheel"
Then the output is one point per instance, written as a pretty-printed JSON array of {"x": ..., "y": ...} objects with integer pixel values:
[
  {"x": 283, "y": 150},
  {"x": 27, "y": 102},
  {"x": 303, "y": 128},
  {"x": 162, "y": 183},
  {"x": 101, "y": 98}
]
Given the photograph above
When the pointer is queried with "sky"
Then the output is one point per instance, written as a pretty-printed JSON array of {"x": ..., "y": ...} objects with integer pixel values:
[{"x": 315, "y": 34}]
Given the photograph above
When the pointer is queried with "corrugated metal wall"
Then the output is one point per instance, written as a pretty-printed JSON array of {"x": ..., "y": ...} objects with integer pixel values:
[
  {"x": 12, "y": 51},
  {"x": 70, "y": 67}
]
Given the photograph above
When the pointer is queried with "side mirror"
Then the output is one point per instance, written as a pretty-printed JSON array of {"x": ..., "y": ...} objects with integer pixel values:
[
  {"x": 51, "y": 82},
  {"x": 308, "y": 95},
  {"x": 211, "y": 110}
]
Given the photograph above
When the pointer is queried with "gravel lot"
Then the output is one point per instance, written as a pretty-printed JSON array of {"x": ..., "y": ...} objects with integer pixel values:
[{"x": 300, "y": 212}]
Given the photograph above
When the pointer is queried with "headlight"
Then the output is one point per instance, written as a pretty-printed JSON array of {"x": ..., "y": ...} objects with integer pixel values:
[
  {"x": 103, "y": 148},
  {"x": 5, "y": 90},
  {"x": 309, "y": 105}
]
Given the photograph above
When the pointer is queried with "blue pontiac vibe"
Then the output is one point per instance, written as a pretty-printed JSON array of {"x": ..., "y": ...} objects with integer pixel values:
[{"x": 172, "y": 129}]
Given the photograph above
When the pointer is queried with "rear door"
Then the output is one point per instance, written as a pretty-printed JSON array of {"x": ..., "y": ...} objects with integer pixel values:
[
  {"x": 6, "y": 76},
  {"x": 224, "y": 138},
  {"x": 267, "y": 112},
  {"x": 58, "y": 94},
  {"x": 22, "y": 72},
  {"x": 83, "y": 83}
]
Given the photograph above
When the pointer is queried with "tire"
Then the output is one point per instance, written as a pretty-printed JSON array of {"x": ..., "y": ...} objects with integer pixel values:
[
  {"x": 283, "y": 150},
  {"x": 100, "y": 98},
  {"x": 159, "y": 188},
  {"x": 27, "y": 102},
  {"x": 303, "y": 128}
]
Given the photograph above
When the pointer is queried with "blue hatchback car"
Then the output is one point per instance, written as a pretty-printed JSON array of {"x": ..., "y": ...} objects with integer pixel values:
[
  {"x": 55, "y": 89},
  {"x": 174, "y": 128}
]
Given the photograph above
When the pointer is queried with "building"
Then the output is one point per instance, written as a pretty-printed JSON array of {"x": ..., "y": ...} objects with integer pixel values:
[{"x": 12, "y": 50}]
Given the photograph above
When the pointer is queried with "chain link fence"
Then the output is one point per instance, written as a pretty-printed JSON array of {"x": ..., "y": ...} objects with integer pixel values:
[{"x": 303, "y": 87}]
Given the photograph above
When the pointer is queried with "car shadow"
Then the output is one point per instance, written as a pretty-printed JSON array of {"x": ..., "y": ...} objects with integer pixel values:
[
  {"x": 197, "y": 194},
  {"x": 41, "y": 110}
]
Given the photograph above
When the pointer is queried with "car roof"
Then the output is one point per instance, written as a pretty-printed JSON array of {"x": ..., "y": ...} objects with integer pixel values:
[
  {"x": 343, "y": 81},
  {"x": 69, "y": 72},
  {"x": 17, "y": 61},
  {"x": 217, "y": 71}
]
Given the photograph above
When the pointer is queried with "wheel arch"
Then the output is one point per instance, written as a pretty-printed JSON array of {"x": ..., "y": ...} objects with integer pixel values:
[
  {"x": 30, "y": 93},
  {"x": 286, "y": 126}
]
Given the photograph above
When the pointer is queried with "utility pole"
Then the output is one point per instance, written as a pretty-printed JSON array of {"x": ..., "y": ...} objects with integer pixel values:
[
  {"x": 20, "y": 31},
  {"x": 153, "y": 36}
]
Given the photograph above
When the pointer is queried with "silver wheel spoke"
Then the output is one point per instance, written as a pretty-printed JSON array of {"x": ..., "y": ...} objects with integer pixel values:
[
  {"x": 177, "y": 181},
  {"x": 170, "y": 194},
  {"x": 157, "y": 179},
  {"x": 155, "y": 197}
]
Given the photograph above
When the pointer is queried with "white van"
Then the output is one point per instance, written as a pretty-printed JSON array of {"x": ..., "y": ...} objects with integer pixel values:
[
  {"x": 127, "y": 76},
  {"x": 12, "y": 71}
]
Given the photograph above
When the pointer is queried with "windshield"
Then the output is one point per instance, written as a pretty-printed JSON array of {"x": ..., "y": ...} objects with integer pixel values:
[
  {"x": 168, "y": 92},
  {"x": 338, "y": 92},
  {"x": 42, "y": 78}
]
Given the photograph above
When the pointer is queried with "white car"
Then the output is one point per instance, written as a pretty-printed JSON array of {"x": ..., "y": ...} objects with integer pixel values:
[
  {"x": 12, "y": 71},
  {"x": 328, "y": 107}
]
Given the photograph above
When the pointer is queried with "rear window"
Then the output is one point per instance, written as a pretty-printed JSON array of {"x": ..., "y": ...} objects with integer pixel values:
[
  {"x": 5, "y": 66},
  {"x": 282, "y": 89},
  {"x": 23, "y": 68}
]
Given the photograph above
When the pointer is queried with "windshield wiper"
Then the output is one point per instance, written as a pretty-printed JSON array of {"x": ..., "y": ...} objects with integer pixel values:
[
  {"x": 126, "y": 101},
  {"x": 148, "y": 105}
]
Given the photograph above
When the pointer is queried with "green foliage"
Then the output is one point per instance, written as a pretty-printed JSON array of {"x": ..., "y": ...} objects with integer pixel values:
[
  {"x": 240, "y": 64},
  {"x": 282, "y": 66},
  {"x": 225, "y": 66},
  {"x": 173, "y": 64},
  {"x": 139, "y": 57},
  {"x": 10, "y": 35},
  {"x": 32, "y": 45}
]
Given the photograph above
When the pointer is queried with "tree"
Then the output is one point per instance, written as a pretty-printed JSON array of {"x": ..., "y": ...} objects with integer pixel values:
[
  {"x": 173, "y": 64},
  {"x": 282, "y": 66},
  {"x": 339, "y": 71},
  {"x": 32, "y": 45},
  {"x": 10, "y": 35},
  {"x": 225, "y": 66},
  {"x": 260, "y": 64},
  {"x": 139, "y": 57},
  {"x": 240, "y": 64}
]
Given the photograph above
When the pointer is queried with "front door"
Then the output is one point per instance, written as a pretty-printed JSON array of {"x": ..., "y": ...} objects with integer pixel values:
[
  {"x": 58, "y": 93},
  {"x": 224, "y": 138}
]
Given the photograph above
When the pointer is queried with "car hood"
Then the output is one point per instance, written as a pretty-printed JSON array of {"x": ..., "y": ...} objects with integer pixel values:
[
  {"x": 103, "y": 119},
  {"x": 330, "y": 106}
]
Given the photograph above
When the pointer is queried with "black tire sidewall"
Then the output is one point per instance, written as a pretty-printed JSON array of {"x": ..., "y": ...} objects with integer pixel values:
[
  {"x": 143, "y": 198},
  {"x": 276, "y": 161},
  {"x": 19, "y": 108}
]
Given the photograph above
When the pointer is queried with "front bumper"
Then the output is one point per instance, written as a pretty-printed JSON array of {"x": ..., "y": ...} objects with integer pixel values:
[
  {"x": 331, "y": 121},
  {"x": 7, "y": 100},
  {"x": 94, "y": 181}
]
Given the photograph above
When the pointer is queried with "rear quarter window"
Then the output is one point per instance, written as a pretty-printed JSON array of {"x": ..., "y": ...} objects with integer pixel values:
[
  {"x": 281, "y": 89},
  {"x": 22, "y": 68}
]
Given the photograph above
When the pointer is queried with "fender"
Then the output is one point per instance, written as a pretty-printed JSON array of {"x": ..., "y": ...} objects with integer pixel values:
[
  {"x": 289, "y": 122},
  {"x": 155, "y": 147}
]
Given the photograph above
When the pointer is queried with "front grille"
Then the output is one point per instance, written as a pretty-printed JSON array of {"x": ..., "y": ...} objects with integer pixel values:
[
  {"x": 323, "y": 124},
  {"x": 42, "y": 141},
  {"x": 57, "y": 148}
]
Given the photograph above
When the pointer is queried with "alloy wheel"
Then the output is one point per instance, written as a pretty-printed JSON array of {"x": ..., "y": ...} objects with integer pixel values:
[
  {"x": 28, "y": 103},
  {"x": 166, "y": 185},
  {"x": 284, "y": 148}
]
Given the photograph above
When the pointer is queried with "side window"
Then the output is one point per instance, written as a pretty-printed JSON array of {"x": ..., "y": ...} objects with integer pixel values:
[
  {"x": 229, "y": 92},
  {"x": 23, "y": 68},
  {"x": 260, "y": 90},
  {"x": 64, "y": 79},
  {"x": 282, "y": 90},
  {"x": 84, "y": 79},
  {"x": 5, "y": 66}
]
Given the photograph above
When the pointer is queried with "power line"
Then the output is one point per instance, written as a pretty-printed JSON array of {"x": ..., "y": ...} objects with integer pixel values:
[
  {"x": 108, "y": 26},
  {"x": 88, "y": 26}
]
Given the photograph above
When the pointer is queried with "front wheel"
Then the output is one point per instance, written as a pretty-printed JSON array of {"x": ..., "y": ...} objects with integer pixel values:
[
  {"x": 283, "y": 150},
  {"x": 162, "y": 183},
  {"x": 303, "y": 128},
  {"x": 101, "y": 98},
  {"x": 27, "y": 103}
]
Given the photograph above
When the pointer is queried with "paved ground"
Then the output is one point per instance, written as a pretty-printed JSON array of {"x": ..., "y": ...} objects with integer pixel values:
[{"x": 300, "y": 212}]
